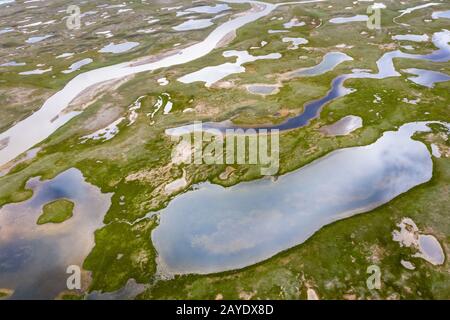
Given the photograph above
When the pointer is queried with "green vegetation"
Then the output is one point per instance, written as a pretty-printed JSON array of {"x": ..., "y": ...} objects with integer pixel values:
[
  {"x": 135, "y": 165},
  {"x": 5, "y": 293},
  {"x": 71, "y": 296},
  {"x": 121, "y": 252},
  {"x": 56, "y": 211},
  {"x": 335, "y": 259},
  {"x": 22, "y": 95}
]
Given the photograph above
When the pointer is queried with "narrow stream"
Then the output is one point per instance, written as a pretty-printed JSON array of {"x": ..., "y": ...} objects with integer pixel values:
[{"x": 312, "y": 109}]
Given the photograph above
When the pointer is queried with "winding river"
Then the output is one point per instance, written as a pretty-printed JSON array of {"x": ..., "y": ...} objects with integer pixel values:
[
  {"x": 39, "y": 125},
  {"x": 210, "y": 229},
  {"x": 34, "y": 258},
  {"x": 312, "y": 109}
]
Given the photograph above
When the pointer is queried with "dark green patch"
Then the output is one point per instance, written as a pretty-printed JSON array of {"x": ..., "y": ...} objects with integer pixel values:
[{"x": 56, "y": 211}]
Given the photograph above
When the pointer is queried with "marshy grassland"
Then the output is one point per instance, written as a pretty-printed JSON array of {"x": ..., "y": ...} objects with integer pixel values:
[
  {"x": 135, "y": 165},
  {"x": 56, "y": 211}
]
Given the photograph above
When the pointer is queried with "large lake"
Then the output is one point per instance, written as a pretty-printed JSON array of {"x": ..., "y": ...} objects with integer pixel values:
[{"x": 214, "y": 229}]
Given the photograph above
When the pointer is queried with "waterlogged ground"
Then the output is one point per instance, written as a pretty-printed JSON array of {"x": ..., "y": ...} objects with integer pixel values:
[{"x": 373, "y": 193}]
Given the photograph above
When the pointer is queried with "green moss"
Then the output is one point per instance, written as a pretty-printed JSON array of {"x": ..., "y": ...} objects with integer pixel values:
[
  {"x": 56, "y": 211},
  {"x": 122, "y": 251},
  {"x": 36, "y": 88},
  {"x": 72, "y": 296},
  {"x": 5, "y": 293},
  {"x": 143, "y": 147},
  {"x": 335, "y": 259}
]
